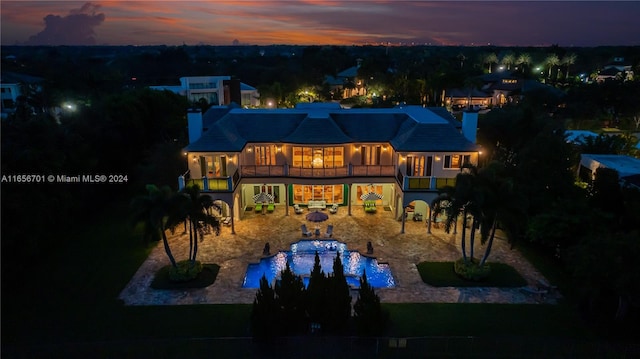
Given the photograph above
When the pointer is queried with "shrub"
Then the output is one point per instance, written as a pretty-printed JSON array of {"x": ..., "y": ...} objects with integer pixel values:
[
  {"x": 338, "y": 306},
  {"x": 369, "y": 317},
  {"x": 291, "y": 298},
  {"x": 185, "y": 271},
  {"x": 471, "y": 269},
  {"x": 265, "y": 312}
]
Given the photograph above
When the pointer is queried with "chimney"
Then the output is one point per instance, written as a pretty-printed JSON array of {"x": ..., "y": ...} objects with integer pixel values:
[
  {"x": 470, "y": 125},
  {"x": 232, "y": 92},
  {"x": 194, "y": 123}
]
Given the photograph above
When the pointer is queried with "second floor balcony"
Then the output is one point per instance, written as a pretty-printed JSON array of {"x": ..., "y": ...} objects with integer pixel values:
[
  {"x": 329, "y": 172},
  {"x": 227, "y": 184},
  {"x": 430, "y": 183}
]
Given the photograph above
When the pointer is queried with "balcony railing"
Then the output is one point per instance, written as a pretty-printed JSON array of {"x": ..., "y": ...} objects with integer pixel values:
[
  {"x": 210, "y": 184},
  {"x": 443, "y": 182},
  {"x": 372, "y": 170},
  {"x": 319, "y": 172},
  {"x": 412, "y": 183},
  {"x": 262, "y": 171},
  {"x": 225, "y": 184}
]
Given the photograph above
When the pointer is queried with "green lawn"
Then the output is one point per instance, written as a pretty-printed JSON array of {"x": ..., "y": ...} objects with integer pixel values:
[
  {"x": 441, "y": 274},
  {"x": 72, "y": 298}
]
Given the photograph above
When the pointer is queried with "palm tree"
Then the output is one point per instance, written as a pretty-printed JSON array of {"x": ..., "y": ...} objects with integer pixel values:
[
  {"x": 157, "y": 211},
  {"x": 498, "y": 204},
  {"x": 487, "y": 195},
  {"x": 489, "y": 59},
  {"x": 509, "y": 59},
  {"x": 197, "y": 210},
  {"x": 462, "y": 58},
  {"x": 567, "y": 61},
  {"x": 457, "y": 200},
  {"x": 524, "y": 59},
  {"x": 551, "y": 61}
]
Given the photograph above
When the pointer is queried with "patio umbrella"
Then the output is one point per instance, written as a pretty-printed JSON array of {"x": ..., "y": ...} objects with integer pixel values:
[
  {"x": 371, "y": 196},
  {"x": 263, "y": 197},
  {"x": 317, "y": 216}
]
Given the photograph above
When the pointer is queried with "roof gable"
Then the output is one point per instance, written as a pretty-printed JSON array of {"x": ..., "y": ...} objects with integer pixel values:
[{"x": 317, "y": 128}]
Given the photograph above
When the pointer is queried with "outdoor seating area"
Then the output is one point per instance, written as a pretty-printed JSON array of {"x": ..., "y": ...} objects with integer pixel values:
[
  {"x": 329, "y": 232},
  {"x": 317, "y": 205},
  {"x": 305, "y": 231},
  {"x": 370, "y": 206}
]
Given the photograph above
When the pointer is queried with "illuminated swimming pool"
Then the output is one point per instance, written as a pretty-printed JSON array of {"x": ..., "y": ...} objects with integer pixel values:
[{"x": 301, "y": 258}]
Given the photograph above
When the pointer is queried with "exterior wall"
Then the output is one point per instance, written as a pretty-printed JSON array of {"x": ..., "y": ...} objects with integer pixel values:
[
  {"x": 209, "y": 88},
  {"x": 9, "y": 94}
]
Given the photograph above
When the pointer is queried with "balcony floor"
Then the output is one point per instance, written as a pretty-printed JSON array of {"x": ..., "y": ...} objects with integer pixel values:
[{"x": 402, "y": 251}]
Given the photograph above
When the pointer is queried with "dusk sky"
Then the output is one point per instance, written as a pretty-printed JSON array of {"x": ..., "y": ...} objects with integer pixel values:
[{"x": 305, "y": 22}]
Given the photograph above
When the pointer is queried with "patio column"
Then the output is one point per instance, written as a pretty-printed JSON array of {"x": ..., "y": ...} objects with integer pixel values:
[
  {"x": 429, "y": 220},
  {"x": 348, "y": 194},
  {"x": 286, "y": 199},
  {"x": 404, "y": 216},
  {"x": 233, "y": 228}
]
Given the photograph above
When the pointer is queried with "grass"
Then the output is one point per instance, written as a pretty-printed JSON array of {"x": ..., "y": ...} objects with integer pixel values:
[
  {"x": 469, "y": 319},
  {"x": 441, "y": 274},
  {"x": 204, "y": 279}
]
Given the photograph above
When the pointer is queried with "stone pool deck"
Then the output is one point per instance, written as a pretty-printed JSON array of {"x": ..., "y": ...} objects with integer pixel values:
[{"x": 233, "y": 252}]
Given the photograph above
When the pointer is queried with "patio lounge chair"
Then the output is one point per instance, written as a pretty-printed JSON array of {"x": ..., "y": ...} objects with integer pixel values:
[
  {"x": 329, "y": 231},
  {"x": 297, "y": 209},
  {"x": 334, "y": 208},
  {"x": 258, "y": 207},
  {"x": 271, "y": 207},
  {"x": 305, "y": 231}
]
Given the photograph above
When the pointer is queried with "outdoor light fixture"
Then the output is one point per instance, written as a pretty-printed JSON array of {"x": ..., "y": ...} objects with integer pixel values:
[
  {"x": 279, "y": 148},
  {"x": 437, "y": 158},
  {"x": 195, "y": 159},
  {"x": 249, "y": 149}
]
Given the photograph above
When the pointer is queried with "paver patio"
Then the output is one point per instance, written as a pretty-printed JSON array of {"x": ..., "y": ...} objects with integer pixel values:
[{"x": 233, "y": 252}]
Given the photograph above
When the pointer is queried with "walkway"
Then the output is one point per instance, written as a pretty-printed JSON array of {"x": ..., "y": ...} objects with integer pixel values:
[{"x": 402, "y": 251}]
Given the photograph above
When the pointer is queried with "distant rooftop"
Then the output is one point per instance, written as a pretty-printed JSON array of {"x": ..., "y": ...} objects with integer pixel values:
[{"x": 625, "y": 165}]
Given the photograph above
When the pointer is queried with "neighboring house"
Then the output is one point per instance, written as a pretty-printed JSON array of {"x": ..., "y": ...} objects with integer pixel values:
[
  {"x": 617, "y": 69},
  {"x": 322, "y": 152},
  {"x": 11, "y": 85},
  {"x": 215, "y": 90},
  {"x": 347, "y": 83},
  {"x": 458, "y": 99},
  {"x": 577, "y": 137},
  {"x": 506, "y": 88},
  {"x": 628, "y": 168}
]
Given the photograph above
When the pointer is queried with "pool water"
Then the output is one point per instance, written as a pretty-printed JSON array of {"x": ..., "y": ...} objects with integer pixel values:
[{"x": 301, "y": 258}]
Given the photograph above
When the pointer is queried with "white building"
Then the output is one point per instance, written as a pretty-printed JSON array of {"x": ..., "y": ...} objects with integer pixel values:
[{"x": 215, "y": 90}]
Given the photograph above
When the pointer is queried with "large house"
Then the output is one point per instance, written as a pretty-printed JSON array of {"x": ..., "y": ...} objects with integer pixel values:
[
  {"x": 347, "y": 83},
  {"x": 628, "y": 168},
  {"x": 319, "y": 154},
  {"x": 12, "y": 86},
  {"x": 215, "y": 91},
  {"x": 617, "y": 69}
]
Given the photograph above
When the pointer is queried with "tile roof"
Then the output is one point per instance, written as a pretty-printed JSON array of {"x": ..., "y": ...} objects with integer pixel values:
[{"x": 410, "y": 128}]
